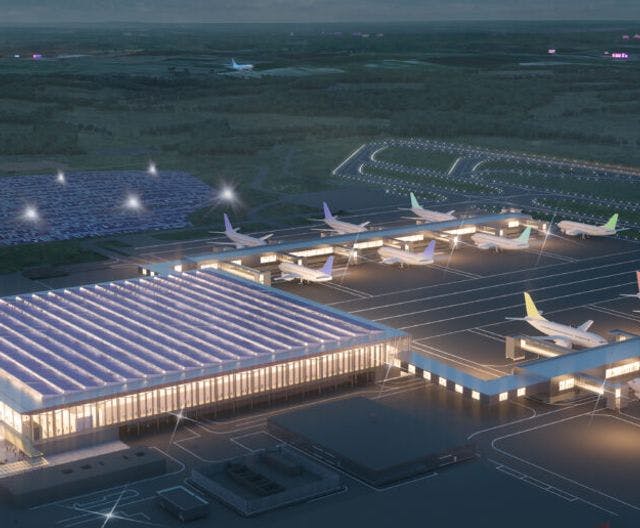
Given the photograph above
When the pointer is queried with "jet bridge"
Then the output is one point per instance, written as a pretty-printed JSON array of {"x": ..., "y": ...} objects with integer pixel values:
[{"x": 517, "y": 346}]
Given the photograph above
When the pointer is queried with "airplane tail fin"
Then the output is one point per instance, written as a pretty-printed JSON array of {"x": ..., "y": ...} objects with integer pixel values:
[
  {"x": 586, "y": 325},
  {"x": 429, "y": 250},
  {"x": 234, "y": 63},
  {"x": 530, "y": 306},
  {"x": 327, "y": 211},
  {"x": 414, "y": 201},
  {"x": 266, "y": 237},
  {"x": 327, "y": 269},
  {"x": 227, "y": 223},
  {"x": 612, "y": 222},
  {"x": 524, "y": 236}
]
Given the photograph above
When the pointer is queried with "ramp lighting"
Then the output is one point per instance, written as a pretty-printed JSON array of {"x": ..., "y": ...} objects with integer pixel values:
[
  {"x": 30, "y": 214},
  {"x": 133, "y": 203}
]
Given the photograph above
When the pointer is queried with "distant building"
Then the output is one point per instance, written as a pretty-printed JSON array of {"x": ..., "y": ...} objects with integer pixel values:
[{"x": 620, "y": 55}]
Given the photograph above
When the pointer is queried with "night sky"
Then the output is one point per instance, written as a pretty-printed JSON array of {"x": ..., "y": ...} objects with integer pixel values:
[{"x": 51, "y": 11}]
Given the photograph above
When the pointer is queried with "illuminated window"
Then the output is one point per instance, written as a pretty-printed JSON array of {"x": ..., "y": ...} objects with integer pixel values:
[
  {"x": 315, "y": 252},
  {"x": 443, "y": 381},
  {"x": 522, "y": 391},
  {"x": 566, "y": 384},
  {"x": 513, "y": 223},
  {"x": 397, "y": 363},
  {"x": 622, "y": 369},
  {"x": 503, "y": 396},
  {"x": 266, "y": 259},
  {"x": 411, "y": 238},
  {"x": 237, "y": 262},
  {"x": 459, "y": 388},
  {"x": 426, "y": 375},
  {"x": 411, "y": 369},
  {"x": 618, "y": 392},
  {"x": 461, "y": 231},
  {"x": 178, "y": 268},
  {"x": 368, "y": 244},
  {"x": 475, "y": 395}
]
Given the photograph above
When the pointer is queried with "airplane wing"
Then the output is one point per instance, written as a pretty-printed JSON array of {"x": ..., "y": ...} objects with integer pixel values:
[
  {"x": 325, "y": 230},
  {"x": 225, "y": 244},
  {"x": 485, "y": 245},
  {"x": 285, "y": 277},
  {"x": 573, "y": 232},
  {"x": 411, "y": 218},
  {"x": 558, "y": 340},
  {"x": 390, "y": 260}
]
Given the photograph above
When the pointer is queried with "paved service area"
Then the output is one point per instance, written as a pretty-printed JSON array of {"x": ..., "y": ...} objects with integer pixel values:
[
  {"x": 499, "y": 481},
  {"x": 456, "y": 310}
]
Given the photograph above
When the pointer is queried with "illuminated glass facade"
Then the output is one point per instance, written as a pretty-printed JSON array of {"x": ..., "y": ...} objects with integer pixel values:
[{"x": 142, "y": 405}]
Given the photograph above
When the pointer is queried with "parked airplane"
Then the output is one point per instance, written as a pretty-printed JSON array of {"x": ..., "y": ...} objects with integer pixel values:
[
  {"x": 291, "y": 271},
  {"x": 561, "y": 334},
  {"x": 391, "y": 255},
  {"x": 426, "y": 214},
  {"x": 635, "y": 386},
  {"x": 338, "y": 226},
  {"x": 240, "y": 67},
  {"x": 237, "y": 239},
  {"x": 577, "y": 228},
  {"x": 486, "y": 241},
  {"x": 636, "y": 295}
]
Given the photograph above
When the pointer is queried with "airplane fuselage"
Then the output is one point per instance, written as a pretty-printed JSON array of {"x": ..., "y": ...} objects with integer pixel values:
[
  {"x": 431, "y": 216},
  {"x": 486, "y": 241},
  {"x": 579, "y": 229},
  {"x": 344, "y": 228},
  {"x": 241, "y": 240},
  {"x": 297, "y": 271},
  {"x": 571, "y": 334},
  {"x": 390, "y": 255}
]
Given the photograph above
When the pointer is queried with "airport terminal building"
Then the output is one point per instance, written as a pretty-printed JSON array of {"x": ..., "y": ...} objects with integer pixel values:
[{"x": 80, "y": 363}]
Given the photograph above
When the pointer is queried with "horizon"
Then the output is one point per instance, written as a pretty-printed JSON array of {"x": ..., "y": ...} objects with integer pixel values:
[{"x": 312, "y": 11}]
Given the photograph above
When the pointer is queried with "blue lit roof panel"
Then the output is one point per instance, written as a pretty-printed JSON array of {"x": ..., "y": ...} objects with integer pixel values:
[{"x": 74, "y": 344}]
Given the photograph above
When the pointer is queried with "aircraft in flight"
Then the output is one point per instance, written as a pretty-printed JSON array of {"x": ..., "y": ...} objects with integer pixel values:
[
  {"x": 561, "y": 334},
  {"x": 238, "y": 239},
  {"x": 338, "y": 226},
  {"x": 426, "y": 214},
  {"x": 584, "y": 230},
  {"x": 487, "y": 241},
  {"x": 291, "y": 271},
  {"x": 391, "y": 255},
  {"x": 240, "y": 67}
]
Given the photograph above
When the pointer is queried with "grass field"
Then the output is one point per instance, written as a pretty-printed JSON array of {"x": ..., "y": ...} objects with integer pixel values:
[
  {"x": 441, "y": 161},
  {"x": 164, "y": 93},
  {"x": 16, "y": 258}
]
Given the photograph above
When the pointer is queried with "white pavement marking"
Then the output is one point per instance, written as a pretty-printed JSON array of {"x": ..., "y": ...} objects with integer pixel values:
[
  {"x": 481, "y": 288},
  {"x": 502, "y": 308},
  {"x": 554, "y": 473}
]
